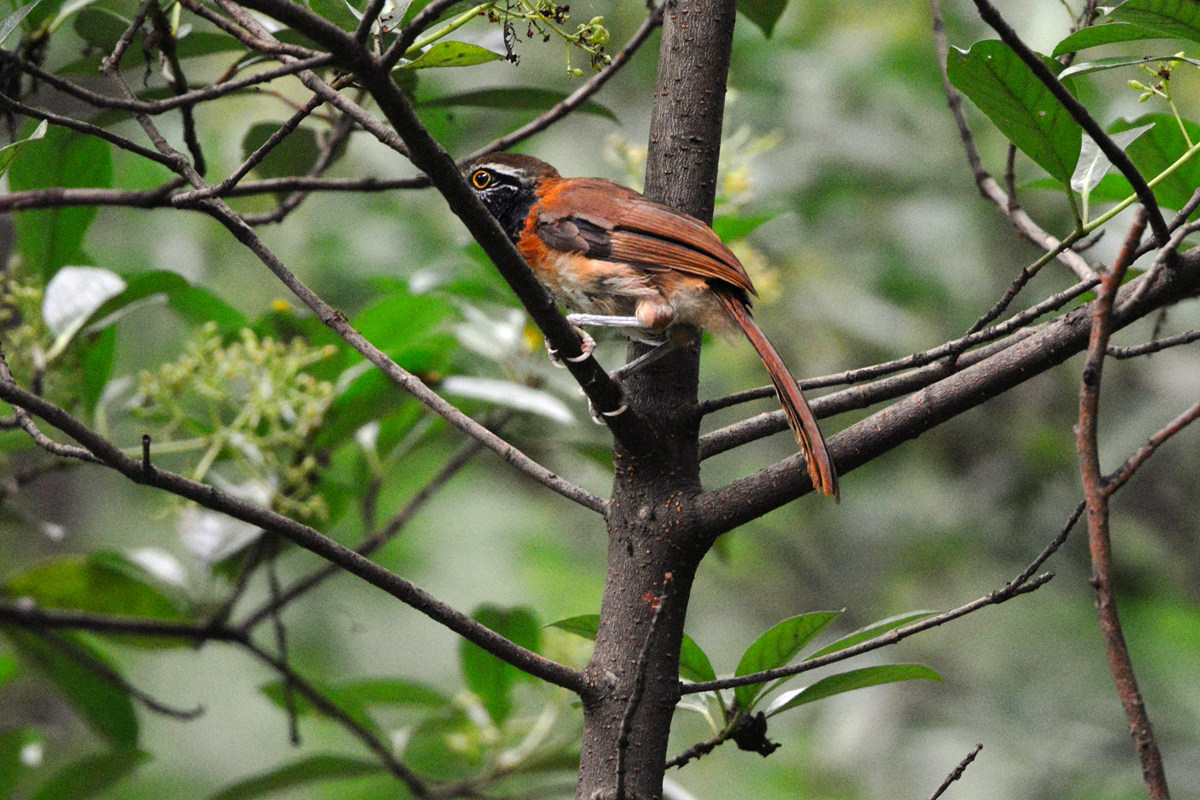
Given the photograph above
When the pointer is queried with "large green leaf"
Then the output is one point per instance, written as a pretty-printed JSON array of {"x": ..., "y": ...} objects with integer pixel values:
[
  {"x": 487, "y": 676},
  {"x": 294, "y": 155},
  {"x": 1110, "y": 33},
  {"x": 1117, "y": 62},
  {"x": 312, "y": 769},
  {"x": 1018, "y": 104},
  {"x": 517, "y": 98},
  {"x": 763, "y": 13},
  {"x": 849, "y": 681},
  {"x": 1152, "y": 153},
  {"x": 50, "y": 238},
  {"x": 106, "y": 708},
  {"x": 90, "y": 777},
  {"x": 193, "y": 303},
  {"x": 870, "y": 632},
  {"x": 1178, "y": 19},
  {"x": 694, "y": 664},
  {"x": 104, "y": 583},
  {"x": 97, "y": 352},
  {"x": 776, "y": 648}
]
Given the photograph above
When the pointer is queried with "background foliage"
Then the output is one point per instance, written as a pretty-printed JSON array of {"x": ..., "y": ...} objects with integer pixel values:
[{"x": 859, "y": 219}]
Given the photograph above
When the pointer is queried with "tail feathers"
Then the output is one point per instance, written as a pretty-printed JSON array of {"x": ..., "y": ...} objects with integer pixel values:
[{"x": 799, "y": 416}]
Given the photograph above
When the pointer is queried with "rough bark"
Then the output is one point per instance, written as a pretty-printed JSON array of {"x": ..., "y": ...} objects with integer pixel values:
[{"x": 654, "y": 547}]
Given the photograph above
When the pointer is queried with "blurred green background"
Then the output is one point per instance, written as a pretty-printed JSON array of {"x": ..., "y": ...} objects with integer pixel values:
[{"x": 879, "y": 245}]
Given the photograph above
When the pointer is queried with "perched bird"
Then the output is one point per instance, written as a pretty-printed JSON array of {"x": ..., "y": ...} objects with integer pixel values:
[{"x": 618, "y": 259}]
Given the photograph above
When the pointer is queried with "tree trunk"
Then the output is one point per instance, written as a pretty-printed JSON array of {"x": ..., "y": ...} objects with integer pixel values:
[{"x": 654, "y": 545}]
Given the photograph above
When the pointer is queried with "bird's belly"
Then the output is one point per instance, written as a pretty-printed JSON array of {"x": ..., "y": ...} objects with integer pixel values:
[{"x": 593, "y": 286}]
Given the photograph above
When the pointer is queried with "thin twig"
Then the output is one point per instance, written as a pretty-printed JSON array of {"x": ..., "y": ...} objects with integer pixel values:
[
  {"x": 372, "y": 543},
  {"x": 957, "y": 773},
  {"x": 110, "y": 676},
  {"x": 1099, "y": 535},
  {"x": 322, "y": 703},
  {"x": 155, "y": 107},
  {"x": 303, "y": 535},
  {"x": 580, "y": 95},
  {"x": 1152, "y": 347},
  {"x": 9, "y": 104},
  {"x": 1122, "y": 474},
  {"x": 1024, "y": 583}
]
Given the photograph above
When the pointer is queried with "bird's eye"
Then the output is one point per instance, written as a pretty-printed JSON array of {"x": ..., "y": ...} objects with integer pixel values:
[{"x": 481, "y": 178}]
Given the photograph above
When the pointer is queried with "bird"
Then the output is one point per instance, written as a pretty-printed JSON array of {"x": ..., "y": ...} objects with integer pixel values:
[{"x": 616, "y": 258}]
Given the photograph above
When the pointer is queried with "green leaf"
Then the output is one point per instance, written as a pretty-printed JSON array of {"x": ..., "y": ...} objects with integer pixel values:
[
  {"x": 8, "y": 668},
  {"x": 10, "y": 24},
  {"x": 448, "y": 747},
  {"x": 1178, "y": 19},
  {"x": 849, "y": 681},
  {"x": 299, "y": 773},
  {"x": 97, "y": 353},
  {"x": 1094, "y": 164},
  {"x": 107, "y": 709},
  {"x": 694, "y": 664},
  {"x": 357, "y": 697},
  {"x": 91, "y": 776},
  {"x": 50, "y": 238},
  {"x": 452, "y": 54},
  {"x": 9, "y": 152},
  {"x": 405, "y": 327},
  {"x": 194, "y": 304},
  {"x": 763, "y": 13},
  {"x": 1101, "y": 64},
  {"x": 1018, "y": 104},
  {"x": 731, "y": 227},
  {"x": 1156, "y": 150},
  {"x": 101, "y": 28},
  {"x": 870, "y": 632},
  {"x": 103, "y": 583},
  {"x": 776, "y": 648},
  {"x": 294, "y": 155},
  {"x": 11, "y": 765},
  {"x": 1098, "y": 35},
  {"x": 487, "y": 676},
  {"x": 585, "y": 625},
  {"x": 513, "y": 99}
]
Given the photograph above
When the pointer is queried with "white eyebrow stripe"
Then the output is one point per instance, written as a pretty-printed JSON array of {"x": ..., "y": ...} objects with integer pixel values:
[{"x": 501, "y": 169}]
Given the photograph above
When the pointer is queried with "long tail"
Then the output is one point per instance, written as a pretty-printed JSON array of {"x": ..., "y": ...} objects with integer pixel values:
[{"x": 799, "y": 416}]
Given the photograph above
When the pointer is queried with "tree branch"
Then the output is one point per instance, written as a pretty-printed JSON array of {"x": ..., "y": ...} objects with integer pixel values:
[
  {"x": 1050, "y": 345},
  {"x": 302, "y": 535},
  {"x": 1099, "y": 538}
]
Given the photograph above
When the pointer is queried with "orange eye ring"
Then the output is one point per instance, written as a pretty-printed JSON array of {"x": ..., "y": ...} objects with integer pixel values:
[{"x": 481, "y": 179}]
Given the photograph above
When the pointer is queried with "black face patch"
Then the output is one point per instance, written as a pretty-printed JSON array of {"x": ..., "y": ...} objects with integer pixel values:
[{"x": 506, "y": 196}]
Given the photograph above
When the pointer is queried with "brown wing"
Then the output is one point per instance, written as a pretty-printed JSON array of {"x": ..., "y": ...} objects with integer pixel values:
[{"x": 621, "y": 225}]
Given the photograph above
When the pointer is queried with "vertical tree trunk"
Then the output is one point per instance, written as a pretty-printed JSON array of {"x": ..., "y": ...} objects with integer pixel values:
[{"x": 654, "y": 547}]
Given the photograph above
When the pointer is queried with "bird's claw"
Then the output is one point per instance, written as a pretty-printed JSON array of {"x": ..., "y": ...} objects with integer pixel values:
[{"x": 587, "y": 343}]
